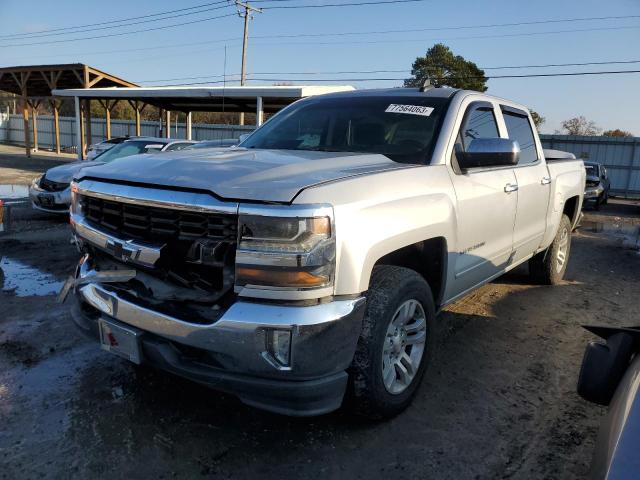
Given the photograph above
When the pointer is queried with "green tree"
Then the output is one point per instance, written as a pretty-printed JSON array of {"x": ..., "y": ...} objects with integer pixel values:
[
  {"x": 442, "y": 68},
  {"x": 617, "y": 133},
  {"x": 538, "y": 119}
]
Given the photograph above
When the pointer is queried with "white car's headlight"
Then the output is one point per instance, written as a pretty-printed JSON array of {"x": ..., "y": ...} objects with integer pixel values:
[{"x": 285, "y": 253}]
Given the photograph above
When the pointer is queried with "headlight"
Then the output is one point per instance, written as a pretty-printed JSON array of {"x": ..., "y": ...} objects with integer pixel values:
[
  {"x": 285, "y": 253},
  {"x": 36, "y": 181}
]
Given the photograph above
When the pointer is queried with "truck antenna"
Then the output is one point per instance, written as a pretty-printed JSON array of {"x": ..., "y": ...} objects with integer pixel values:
[{"x": 426, "y": 85}]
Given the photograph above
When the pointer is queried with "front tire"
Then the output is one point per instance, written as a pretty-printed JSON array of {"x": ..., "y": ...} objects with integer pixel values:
[
  {"x": 549, "y": 266},
  {"x": 396, "y": 343}
]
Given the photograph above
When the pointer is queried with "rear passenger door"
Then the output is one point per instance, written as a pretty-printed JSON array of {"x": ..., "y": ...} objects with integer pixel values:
[
  {"x": 534, "y": 184},
  {"x": 486, "y": 209}
]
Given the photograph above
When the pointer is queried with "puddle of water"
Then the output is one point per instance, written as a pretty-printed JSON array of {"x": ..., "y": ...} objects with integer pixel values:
[
  {"x": 629, "y": 234},
  {"x": 26, "y": 281},
  {"x": 14, "y": 191}
]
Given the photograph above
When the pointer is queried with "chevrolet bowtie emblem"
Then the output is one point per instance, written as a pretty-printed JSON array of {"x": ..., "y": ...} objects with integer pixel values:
[{"x": 123, "y": 251}]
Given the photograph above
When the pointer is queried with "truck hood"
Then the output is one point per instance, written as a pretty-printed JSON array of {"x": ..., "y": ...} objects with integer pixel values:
[
  {"x": 241, "y": 174},
  {"x": 65, "y": 173}
]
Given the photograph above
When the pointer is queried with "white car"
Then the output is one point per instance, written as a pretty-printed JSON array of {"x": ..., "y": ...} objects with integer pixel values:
[
  {"x": 97, "y": 148},
  {"x": 50, "y": 192}
]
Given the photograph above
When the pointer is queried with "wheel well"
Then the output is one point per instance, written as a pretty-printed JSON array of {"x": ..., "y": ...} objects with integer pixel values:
[
  {"x": 428, "y": 258},
  {"x": 571, "y": 209}
]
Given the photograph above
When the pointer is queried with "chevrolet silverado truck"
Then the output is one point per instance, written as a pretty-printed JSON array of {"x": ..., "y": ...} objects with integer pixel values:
[{"x": 303, "y": 269}]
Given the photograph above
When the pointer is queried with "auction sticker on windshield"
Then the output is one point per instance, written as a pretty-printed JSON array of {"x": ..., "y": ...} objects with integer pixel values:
[{"x": 410, "y": 109}]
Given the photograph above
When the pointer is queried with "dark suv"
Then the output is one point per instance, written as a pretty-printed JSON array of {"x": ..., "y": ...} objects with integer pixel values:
[{"x": 596, "y": 190}]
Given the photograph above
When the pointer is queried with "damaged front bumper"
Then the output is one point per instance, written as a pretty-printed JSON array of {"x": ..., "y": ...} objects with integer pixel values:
[
  {"x": 232, "y": 353},
  {"x": 593, "y": 193},
  {"x": 51, "y": 202}
]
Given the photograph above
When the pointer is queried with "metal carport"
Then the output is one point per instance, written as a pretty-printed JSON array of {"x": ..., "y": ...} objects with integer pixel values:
[
  {"x": 263, "y": 99},
  {"x": 35, "y": 83}
]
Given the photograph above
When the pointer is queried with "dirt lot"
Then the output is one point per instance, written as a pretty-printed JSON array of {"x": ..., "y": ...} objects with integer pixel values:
[{"x": 498, "y": 402}]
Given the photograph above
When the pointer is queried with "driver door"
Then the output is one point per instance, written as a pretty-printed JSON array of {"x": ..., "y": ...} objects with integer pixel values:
[{"x": 486, "y": 206}]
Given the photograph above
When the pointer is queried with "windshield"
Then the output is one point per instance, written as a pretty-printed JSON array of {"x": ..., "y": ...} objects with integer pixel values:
[
  {"x": 125, "y": 149},
  {"x": 403, "y": 128},
  {"x": 592, "y": 170}
]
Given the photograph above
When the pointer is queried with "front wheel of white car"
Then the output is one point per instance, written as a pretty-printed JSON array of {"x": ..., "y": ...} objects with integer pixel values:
[
  {"x": 396, "y": 343},
  {"x": 549, "y": 266}
]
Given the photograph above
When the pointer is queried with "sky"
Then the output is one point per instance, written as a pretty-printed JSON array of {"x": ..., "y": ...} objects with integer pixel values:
[{"x": 159, "y": 56}]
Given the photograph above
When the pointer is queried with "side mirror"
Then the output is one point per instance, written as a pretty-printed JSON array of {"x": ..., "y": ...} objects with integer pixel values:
[
  {"x": 603, "y": 366},
  {"x": 243, "y": 137},
  {"x": 489, "y": 152}
]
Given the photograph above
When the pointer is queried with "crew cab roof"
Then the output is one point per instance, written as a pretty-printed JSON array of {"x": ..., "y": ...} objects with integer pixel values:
[
  {"x": 435, "y": 92},
  {"x": 441, "y": 92}
]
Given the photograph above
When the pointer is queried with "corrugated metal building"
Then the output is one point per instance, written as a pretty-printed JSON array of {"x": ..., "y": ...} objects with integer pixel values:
[{"x": 621, "y": 157}]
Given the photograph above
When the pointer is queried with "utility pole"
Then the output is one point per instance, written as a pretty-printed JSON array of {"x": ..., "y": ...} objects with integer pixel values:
[{"x": 245, "y": 10}]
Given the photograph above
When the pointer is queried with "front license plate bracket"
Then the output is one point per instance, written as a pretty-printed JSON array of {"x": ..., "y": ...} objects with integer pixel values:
[{"x": 120, "y": 339}]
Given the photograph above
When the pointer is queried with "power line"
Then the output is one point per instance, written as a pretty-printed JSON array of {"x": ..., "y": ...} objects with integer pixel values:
[
  {"x": 549, "y": 65},
  {"x": 381, "y": 2},
  {"x": 346, "y": 72},
  {"x": 129, "y": 24},
  {"x": 468, "y": 37},
  {"x": 489, "y": 77},
  {"x": 435, "y": 29},
  {"x": 373, "y": 32},
  {"x": 121, "y": 33},
  {"x": 110, "y": 22},
  {"x": 459, "y": 27},
  {"x": 139, "y": 49},
  {"x": 350, "y": 4},
  {"x": 389, "y": 79},
  {"x": 562, "y": 74}
]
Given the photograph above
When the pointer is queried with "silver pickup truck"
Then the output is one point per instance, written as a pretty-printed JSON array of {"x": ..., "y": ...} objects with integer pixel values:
[{"x": 304, "y": 268}]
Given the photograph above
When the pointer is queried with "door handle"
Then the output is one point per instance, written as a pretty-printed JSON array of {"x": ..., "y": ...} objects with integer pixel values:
[
  {"x": 511, "y": 187},
  {"x": 545, "y": 181}
]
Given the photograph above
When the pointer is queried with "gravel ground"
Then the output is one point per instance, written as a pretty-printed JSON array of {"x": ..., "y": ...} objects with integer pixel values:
[{"x": 498, "y": 402}]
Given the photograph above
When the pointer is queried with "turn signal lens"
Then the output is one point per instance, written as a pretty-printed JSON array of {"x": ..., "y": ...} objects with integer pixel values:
[{"x": 293, "y": 279}]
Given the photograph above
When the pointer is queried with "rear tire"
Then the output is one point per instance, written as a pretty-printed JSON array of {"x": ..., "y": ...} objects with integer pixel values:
[
  {"x": 396, "y": 343},
  {"x": 549, "y": 266}
]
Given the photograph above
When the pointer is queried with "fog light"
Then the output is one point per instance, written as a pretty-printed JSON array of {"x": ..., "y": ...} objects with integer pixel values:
[{"x": 279, "y": 346}]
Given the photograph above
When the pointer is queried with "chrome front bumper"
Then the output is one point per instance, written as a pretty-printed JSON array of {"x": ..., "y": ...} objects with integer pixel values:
[
  {"x": 593, "y": 192},
  {"x": 323, "y": 343}
]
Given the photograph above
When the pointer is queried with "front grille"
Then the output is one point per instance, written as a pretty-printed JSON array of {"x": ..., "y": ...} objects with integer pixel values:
[
  {"x": 156, "y": 225},
  {"x": 197, "y": 249},
  {"x": 51, "y": 186}
]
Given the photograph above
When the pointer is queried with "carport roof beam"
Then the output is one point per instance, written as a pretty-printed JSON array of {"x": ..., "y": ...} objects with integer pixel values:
[{"x": 211, "y": 99}]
